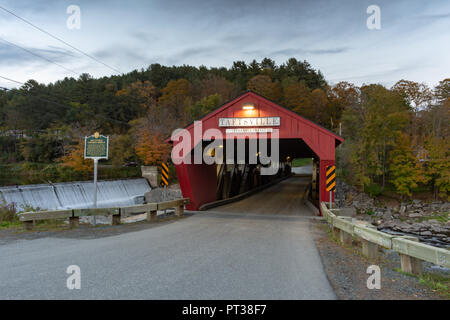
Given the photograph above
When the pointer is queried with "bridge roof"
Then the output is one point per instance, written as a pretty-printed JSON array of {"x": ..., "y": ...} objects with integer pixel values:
[{"x": 292, "y": 125}]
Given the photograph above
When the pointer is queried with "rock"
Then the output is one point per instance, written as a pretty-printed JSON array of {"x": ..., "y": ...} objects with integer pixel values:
[
  {"x": 378, "y": 222},
  {"x": 415, "y": 215},
  {"x": 402, "y": 209},
  {"x": 426, "y": 233},
  {"x": 387, "y": 215},
  {"x": 347, "y": 212},
  {"x": 157, "y": 195}
]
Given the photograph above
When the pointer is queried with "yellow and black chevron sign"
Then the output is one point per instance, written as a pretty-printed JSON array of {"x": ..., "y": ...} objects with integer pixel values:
[
  {"x": 331, "y": 178},
  {"x": 164, "y": 174}
]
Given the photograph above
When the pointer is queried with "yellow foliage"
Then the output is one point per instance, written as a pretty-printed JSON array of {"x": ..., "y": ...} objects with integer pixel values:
[
  {"x": 75, "y": 159},
  {"x": 151, "y": 148}
]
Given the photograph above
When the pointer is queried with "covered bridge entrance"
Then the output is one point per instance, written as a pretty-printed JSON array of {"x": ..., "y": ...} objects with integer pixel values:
[{"x": 242, "y": 124}]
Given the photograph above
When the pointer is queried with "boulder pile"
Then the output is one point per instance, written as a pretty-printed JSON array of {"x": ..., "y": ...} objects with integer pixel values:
[{"x": 427, "y": 220}]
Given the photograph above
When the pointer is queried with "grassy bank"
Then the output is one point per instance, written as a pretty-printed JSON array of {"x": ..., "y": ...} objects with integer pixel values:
[{"x": 300, "y": 162}]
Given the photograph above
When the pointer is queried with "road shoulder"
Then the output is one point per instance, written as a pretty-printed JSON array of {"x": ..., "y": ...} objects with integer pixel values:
[{"x": 346, "y": 271}]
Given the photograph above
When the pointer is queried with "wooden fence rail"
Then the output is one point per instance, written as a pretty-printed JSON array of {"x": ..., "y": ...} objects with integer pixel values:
[
  {"x": 411, "y": 251},
  {"x": 29, "y": 218}
]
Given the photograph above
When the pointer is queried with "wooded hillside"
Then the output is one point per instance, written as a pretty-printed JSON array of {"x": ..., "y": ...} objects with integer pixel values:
[{"x": 395, "y": 137}]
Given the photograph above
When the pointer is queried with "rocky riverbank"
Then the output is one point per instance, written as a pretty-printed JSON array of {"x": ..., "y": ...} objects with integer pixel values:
[{"x": 429, "y": 221}]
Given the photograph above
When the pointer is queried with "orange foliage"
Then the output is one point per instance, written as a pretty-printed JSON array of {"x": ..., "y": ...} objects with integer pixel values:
[
  {"x": 75, "y": 159},
  {"x": 151, "y": 147}
]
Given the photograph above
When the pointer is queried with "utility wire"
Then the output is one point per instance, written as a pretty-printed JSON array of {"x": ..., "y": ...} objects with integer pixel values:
[
  {"x": 60, "y": 40},
  {"x": 11, "y": 80},
  {"x": 37, "y": 55}
]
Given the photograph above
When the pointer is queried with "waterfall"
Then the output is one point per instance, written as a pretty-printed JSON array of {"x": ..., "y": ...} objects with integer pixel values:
[{"x": 74, "y": 195}]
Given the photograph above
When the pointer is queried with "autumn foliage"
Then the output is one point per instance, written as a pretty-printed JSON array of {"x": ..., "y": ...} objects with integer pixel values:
[
  {"x": 75, "y": 158},
  {"x": 151, "y": 148},
  {"x": 396, "y": 138}
]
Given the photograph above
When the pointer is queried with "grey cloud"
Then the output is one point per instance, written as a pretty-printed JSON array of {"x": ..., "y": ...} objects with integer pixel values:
[
  {"x": 182, "y": 56},
  {"x": 118, "y": 53},
  {"x": 144, "y": 36},
  {"x": 435, "y": 16},
  {"x": 10, "y": 54},
  {"x": 296, "y": 52},
  {"x": 293, "y": 51}
]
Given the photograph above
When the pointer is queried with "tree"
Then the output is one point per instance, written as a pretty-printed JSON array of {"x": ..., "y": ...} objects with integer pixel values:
[
  {"x": 122, "y": 149},
  {"x": 442, "y": 90},
  {"x": 75, "y": 159},
  {"x": 341, "y": 96},
  {"x": 417, "y": 95},
  {"x": 406, "y": 170},
  {"x": 264, "y": 86},
  {"x": 437, "y": 165},
  {"x": 176, "y": 97},
  {"x": 302, "y": 71},
  {"x": 318, "y": 110},
  {"x": 151, "y": 148},
  {"x": 296, "y": 96},
  {"x": 212, "y": 85},
  {"x": 204, "y": 106},
  {"x": 373, "y": 125},
  {"x": 135, "y": 100}
]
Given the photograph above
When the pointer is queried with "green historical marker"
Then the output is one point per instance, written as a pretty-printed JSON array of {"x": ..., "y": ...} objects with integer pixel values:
[{"x": 96, "y": 148}]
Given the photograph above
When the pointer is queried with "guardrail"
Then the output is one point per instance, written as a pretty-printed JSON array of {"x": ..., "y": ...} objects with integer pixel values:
[
  {"x": 29, "y": 218},
  {"x": 411, "y": 251}
]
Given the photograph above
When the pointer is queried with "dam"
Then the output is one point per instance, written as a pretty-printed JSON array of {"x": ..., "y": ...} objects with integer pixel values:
[{"x": 76, "y": 195}]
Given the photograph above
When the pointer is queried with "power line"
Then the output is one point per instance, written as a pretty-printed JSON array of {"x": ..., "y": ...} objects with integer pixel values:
[
  {"x": 60, "y": 40},
  {"x": 37, "y": 55},
  {"x": 12, "y": 80}
]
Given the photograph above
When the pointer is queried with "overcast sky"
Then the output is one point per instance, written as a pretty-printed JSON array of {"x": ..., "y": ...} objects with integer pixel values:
[{"x": 413, "y": 42}]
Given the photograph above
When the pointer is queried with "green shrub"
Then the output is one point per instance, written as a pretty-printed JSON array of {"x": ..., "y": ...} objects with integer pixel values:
[
  {"x": 373, "y": 190},
  {"x": 8, "y": 213}
]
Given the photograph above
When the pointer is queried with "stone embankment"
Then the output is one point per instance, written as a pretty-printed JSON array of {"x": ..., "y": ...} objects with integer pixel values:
[{"x": 427, "y": 220}]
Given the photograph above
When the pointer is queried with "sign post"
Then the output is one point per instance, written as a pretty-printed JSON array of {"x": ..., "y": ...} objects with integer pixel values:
[
  {"x": 331, "y": 181},
  {"x": 96, "y": 148}
]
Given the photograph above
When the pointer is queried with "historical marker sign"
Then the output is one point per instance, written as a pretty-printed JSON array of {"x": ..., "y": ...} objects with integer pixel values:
[{"x": 96, "y": 147}]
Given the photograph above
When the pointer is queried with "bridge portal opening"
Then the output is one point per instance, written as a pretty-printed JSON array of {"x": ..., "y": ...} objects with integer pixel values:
[{"x": 235, "y": 149}]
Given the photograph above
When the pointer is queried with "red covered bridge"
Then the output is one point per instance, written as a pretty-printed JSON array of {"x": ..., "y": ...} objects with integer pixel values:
[{"x": 245, "y": 118}]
